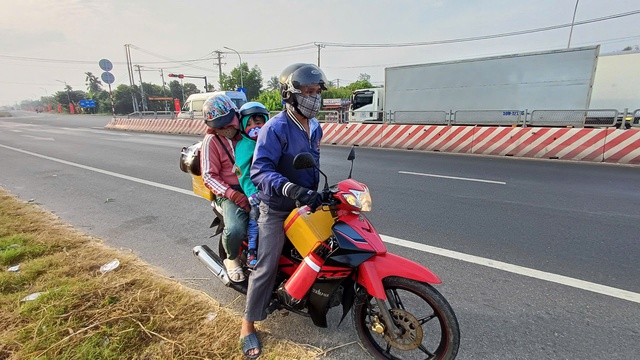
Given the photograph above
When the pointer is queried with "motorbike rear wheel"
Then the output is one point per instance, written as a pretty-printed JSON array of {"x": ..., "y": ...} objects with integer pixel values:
[{"x": 428, "y": 325}]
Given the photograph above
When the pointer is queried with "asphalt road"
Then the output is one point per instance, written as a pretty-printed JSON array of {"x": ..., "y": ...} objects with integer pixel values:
[{"x": 539, "y": 259}]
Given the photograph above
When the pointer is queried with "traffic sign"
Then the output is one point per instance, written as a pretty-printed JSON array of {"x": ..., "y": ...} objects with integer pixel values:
[
  {"x": 105, "y": 65},
  {"x": 108, "y": 77},
  {"x": 87, "y": 103}
]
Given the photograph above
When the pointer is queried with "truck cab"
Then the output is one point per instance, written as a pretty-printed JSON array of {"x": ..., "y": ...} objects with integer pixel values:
[
  {"x": 367, "y": 105},
  {"x": 192, "y": 107}
]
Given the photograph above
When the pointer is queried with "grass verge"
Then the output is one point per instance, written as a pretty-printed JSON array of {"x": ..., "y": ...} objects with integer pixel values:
[
  {"x": 82, "y": 313},
  {"x": 5, "y": 114}
]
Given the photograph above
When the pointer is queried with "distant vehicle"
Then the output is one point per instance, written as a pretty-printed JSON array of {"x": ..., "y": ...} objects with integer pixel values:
[
  {"x": 616, "y": 82},
  {"x": 192, "y": 107},
  {"x": 568, "y": 79},
  {"x": 367, "y": 105}
]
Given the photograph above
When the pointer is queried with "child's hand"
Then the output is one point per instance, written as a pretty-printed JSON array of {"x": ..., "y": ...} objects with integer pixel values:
[{"x": 253, "y": 200}]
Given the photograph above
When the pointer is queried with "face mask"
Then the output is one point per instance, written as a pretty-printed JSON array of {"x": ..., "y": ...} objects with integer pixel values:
[
  {"x": 228, "y": 132},
  {"x": 252, "y": 132},
  {"x": 309, "y": 106}
]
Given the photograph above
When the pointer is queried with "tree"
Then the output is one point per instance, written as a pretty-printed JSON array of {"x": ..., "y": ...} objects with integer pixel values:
[
  {"x": 337, "y": 93},
  {"x": 252, "y": 80},
  {"x": 271, "y": 99},
  {"x": 273, "y": 83},
  {"x": 94, "y": 86},
  {"x": 122, "y": 99},
  {"x": 361, "y": 84},
  {"x": 175, "y": 90},
  {"x": 63, "y": 97},
  {"x": 189, "y": 89},
  {"x": 364, "y": 77}
]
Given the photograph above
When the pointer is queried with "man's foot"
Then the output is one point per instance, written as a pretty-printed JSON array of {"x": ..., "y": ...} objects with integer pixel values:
[
  {"x": 234, "y": 270},
  {"x": 251, "y": 346}
]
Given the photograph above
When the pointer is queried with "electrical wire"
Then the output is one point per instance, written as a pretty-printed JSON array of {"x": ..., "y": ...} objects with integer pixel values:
[
  {"x": 485, "y": 37},
  {"x": 312, "y": 45}
]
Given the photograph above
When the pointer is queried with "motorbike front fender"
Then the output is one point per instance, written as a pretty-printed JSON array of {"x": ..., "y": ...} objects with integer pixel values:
[{"x": 373, "y": 271}]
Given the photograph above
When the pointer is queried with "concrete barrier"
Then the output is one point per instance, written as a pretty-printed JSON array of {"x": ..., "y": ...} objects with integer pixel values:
[
  {"x": 167, "y": 126},
  {"x": 595, "y": 145}
]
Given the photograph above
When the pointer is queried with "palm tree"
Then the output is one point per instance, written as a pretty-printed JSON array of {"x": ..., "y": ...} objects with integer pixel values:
[
  {"x": 93, "y": 84},
  {"x": 273, "y": 83}
]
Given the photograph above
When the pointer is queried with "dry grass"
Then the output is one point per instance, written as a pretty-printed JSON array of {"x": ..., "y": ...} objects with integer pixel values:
[
  {"x": 5, "y": 114},
  {"x": 128, "y": 313}
]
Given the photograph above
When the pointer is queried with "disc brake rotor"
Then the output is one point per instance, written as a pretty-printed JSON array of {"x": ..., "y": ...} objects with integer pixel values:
[{"x": 411, "y": 331}]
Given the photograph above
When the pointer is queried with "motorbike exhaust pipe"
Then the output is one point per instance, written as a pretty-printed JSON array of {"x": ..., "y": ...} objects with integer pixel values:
[{"x": 212, "y": 262}]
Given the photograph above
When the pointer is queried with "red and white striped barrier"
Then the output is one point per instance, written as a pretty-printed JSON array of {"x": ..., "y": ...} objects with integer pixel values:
[
  {"x": 170, "y": 126},
  {"x": 596, "y": 145}
]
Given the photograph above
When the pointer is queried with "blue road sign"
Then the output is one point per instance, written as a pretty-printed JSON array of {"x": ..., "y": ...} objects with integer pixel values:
[
  {"x": 105, "y": 65},
  {"x": 108, "y": 77},
  {"x": 87, "y": 103},
  {"x": 244, "y": 90}
]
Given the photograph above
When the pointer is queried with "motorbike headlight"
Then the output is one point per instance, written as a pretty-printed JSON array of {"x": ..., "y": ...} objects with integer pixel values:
[{"x": 363, "y": 199}]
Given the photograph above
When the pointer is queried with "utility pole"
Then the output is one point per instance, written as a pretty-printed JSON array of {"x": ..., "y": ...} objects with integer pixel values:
[
  {"x": 219, "y": 68},
  {"x": 144, "y": 100},
  {"x": 164, "y": 91},
  {"x": 572, "y": 21},
  {"x": 132, "y": 81},
  {"x": 239, "y": 58},
  {"x": 320, "y": 46}
]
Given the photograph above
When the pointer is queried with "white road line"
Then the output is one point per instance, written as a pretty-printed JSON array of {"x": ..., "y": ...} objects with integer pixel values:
[
  {"x": 520, "y": 270},
  {"x": 453, "y": 177},
  {"x": 121, "y": 176},
  {"x": 39, "y": 137}
]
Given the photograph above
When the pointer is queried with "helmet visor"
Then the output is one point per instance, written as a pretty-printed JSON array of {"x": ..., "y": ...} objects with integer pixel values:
[{"x": 308, "y": 75}]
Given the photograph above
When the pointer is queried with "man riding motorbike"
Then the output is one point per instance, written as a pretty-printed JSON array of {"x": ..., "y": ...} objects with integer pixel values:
[{"x": 293, "y": 131}]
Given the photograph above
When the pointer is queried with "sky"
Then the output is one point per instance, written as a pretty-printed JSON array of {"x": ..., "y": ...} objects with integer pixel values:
[{"x": 45, "y": 43}]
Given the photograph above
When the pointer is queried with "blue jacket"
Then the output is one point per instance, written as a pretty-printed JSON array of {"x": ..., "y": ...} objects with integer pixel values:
[{"x": 279, "y": 141}]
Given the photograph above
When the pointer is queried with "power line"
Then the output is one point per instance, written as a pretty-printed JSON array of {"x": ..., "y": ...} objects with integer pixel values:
[
  {"x": 313, "y": 45},
  {"x": 305, "y": 46},
  {"x": 485, "y": 37},
  {"x": 169, "y": 59}
]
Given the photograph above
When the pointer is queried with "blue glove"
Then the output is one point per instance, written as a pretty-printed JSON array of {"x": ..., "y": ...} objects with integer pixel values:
[{"x": 253, "y": 200}]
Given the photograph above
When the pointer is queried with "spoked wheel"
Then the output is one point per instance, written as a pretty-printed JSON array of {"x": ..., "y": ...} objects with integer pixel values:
[{"x": 428, "y": 328}]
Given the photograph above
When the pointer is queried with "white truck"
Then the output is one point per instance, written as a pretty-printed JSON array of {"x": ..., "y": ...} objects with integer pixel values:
[
  {"x": 192, "y": 107},
  {"x": 569, "y": 79}
]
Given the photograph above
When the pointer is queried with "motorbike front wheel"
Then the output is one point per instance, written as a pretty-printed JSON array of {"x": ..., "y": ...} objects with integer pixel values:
[{"x": 428, "y": 326}]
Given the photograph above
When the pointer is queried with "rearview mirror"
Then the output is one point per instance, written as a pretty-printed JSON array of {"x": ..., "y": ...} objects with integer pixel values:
[
  {"x": 352, "y": 154},
  {"x": 304, "y": 161}
]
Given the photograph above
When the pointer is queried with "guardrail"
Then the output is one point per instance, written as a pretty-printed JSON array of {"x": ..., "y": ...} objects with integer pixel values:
[
  {"x": 573, "y": 118},
  {"x": 323, "y": 116},
  {"x": 577, "y": 118},
  {"x": 366, "y": 117},
  {"x": 418, "y": 117},
  {"x": 489, "y": 117},
  {"x": 153, "y": 114}
]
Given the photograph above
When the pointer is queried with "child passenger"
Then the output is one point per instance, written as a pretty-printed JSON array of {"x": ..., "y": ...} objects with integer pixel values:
[{"x": 252, "y": 116}]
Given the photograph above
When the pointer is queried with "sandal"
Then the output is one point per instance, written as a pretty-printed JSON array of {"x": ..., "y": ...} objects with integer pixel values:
[
  {"x": 234, "y": 270},
  {"x": 250, "y": 342}
]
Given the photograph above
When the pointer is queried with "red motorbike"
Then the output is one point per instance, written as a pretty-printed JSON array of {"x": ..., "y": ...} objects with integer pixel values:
[{"x": 334, "y": 256}]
